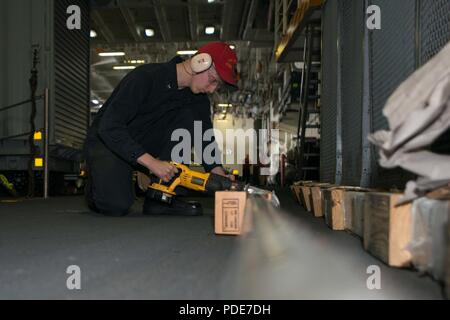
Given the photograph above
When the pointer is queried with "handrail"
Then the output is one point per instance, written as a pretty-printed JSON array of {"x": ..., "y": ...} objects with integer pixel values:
[
  {"x": 19, "y": 135},
  {"x": 46, "y": 132},
  {"x": 20, "y": 103},
  {"x": 305, "y": 7}
]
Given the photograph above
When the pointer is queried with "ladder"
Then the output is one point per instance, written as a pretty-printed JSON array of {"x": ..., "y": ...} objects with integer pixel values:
[{"x": 308, "y": 148}]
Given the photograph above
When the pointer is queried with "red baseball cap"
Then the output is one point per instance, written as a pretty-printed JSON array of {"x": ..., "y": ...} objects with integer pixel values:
[{"x": 224, "y": 59}]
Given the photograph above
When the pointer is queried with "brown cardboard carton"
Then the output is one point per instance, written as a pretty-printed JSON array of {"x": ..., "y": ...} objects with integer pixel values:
[{"x": 229, "y": 212}]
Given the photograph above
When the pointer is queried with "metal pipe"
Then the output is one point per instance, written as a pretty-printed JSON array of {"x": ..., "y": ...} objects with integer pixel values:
[
  {"x": 46, "y": 142},
  {"x": 304, "y": 110},
  {"x": 18, "y": 104},
  {"x": 366, "y": 164},
  {"x": 277, "y": 22},
  {"x": 338, "y": 172},
  {"x": 282, "y": 165},
  {"x": 17, "y": 135},
  {"x": 300, "y": 100}
]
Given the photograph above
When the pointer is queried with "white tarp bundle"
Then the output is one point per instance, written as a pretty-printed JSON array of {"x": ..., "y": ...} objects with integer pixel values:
[{"x": 418, "y": 112}]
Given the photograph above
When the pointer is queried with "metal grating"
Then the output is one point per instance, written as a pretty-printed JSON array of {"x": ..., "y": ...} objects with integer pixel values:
[
  {"x": 329, "y": 90},
  {"x": 393, "y": 59},
  {"x": 435, "y": 27},
  {"x": 352, "y": 89},
  {"x": 434, "y": 35},
  {"x": 71, "y": 93}
]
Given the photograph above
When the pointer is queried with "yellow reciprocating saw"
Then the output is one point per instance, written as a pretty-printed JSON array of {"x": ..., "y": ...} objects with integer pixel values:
[{"x": 193, "y": 180}]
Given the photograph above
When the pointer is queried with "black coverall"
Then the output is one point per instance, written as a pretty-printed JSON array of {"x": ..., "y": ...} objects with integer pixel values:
[{"x": 139, "y": 117}]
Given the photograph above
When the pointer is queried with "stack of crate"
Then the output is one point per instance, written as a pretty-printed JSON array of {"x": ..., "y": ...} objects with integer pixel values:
[{"x": 415, "y": 234}]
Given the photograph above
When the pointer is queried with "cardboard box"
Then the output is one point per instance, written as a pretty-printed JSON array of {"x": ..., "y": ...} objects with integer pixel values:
[
  {"x": 229, "y": 212},
  {"x": 387, "y": 228}
]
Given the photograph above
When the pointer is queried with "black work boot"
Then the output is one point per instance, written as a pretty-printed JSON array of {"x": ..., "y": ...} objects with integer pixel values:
[{"x": 177, "y": 207}]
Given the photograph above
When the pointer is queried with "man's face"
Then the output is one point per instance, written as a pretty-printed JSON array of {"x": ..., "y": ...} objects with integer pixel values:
[{"x": 206, "y": 82}]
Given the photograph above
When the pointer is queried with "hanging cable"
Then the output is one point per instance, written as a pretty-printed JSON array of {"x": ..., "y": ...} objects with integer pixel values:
[{"x": 33, "y": 81}]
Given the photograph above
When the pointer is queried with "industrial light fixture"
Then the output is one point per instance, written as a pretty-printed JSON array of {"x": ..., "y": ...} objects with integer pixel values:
[
  {"x": 95, "y": 101},
  {"x": 124, "y": 67},
  {"x": 93, "y": 34},
  {"x": 186, "y": 52},
  {"x": 134, "y": 61},
  {"x": 210, "y": 30},
  {"x": 149, "y": 32},
  {"x": 211, "y": 1},
  {"x": 111, "y": 54}
]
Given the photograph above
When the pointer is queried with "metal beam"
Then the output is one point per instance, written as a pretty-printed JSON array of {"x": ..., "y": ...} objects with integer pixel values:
[
  {"x": 250, "y": 18},
  {"x": 126, "y": 13},
  {"x": 104, "y": 29},
  {"x": 244, "y": 13},
  {"x": 161, "y": 16},
  {"x": 193, "y": 19}
]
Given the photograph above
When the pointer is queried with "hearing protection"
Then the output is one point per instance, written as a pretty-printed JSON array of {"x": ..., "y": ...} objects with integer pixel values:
[{"x": 201, "y": 62}]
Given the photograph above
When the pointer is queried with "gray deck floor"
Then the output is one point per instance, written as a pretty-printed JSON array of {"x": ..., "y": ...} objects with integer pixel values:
[{"x": 141, "y": 257}]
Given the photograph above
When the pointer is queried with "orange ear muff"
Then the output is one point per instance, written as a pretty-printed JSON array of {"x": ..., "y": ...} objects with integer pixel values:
[{"x": 201, "y": 62}]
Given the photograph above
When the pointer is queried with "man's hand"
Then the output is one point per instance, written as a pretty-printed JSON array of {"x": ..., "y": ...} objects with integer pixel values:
[
  {"x": 162, "y": 169},
  {"x": 221, "y": 172}
]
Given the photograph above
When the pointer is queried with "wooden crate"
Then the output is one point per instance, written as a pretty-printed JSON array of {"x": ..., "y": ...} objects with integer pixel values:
[
  {"x": 306, "y": 196},
  {"x": 430, "y": 219},
  {"x": 316, "y": 195},
  {"x": 332, "y": 206},
  {"x": 296, "y": 187},
  {"x": 292, "y": 187},
  {"x": 447, "y": 278},
  {"x": 354, "y": 212},
  {"x": 298, "y": 195},
  {"x": 387, "y": 228}
]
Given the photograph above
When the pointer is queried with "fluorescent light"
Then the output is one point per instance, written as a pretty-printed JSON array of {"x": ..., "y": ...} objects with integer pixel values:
[
  {"x": 134, "y": 61},
  {"x": 124, "y": 67},
  {"x": 211, "y": 1},
  {"x": 93, "y": 34},
  {"x": 186, "y": 52},
  {"x": 149, "y": 32},
  {"x": 111, "y": 54},
  {"x": 210, "y": 30},
  {"x": 232, "y": 46},
  {"x": 95, "y": 101},
  {"x": 224, "y": 105}
]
